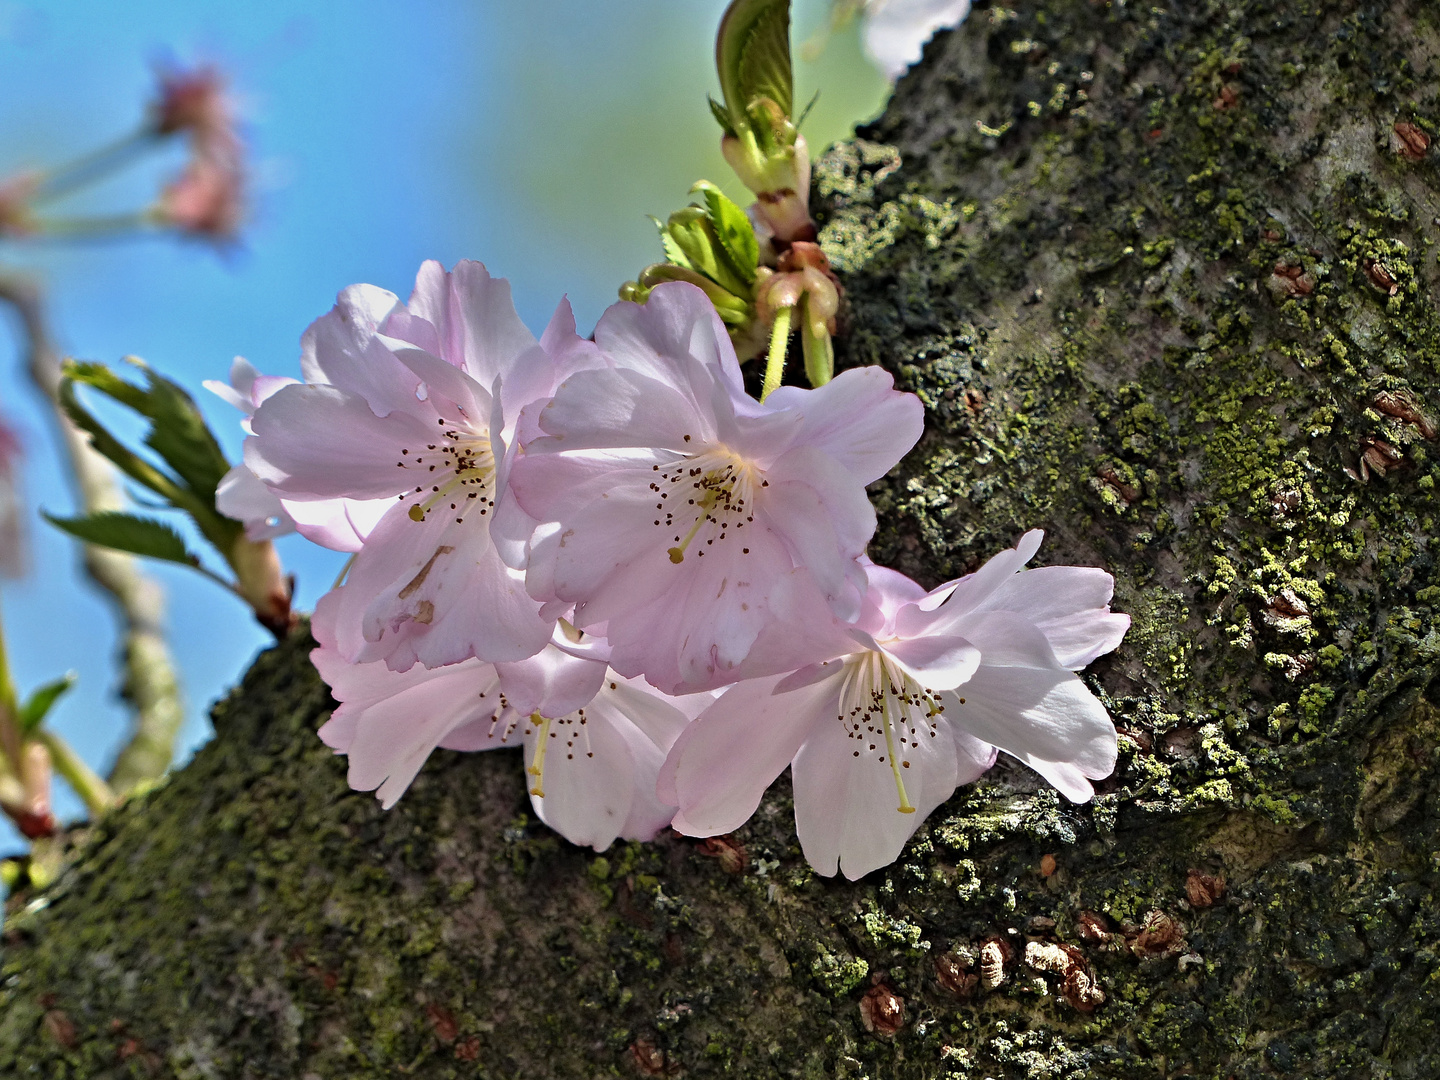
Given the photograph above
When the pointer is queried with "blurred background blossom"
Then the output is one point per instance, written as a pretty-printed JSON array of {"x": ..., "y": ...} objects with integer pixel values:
[{"x": 536, "y": 138}]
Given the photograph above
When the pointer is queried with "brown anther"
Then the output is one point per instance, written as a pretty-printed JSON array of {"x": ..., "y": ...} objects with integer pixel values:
[
  {"x": 127, "y": 1049},
  {"x": 1414, "y": 142},
  {"x": 443, "y": 1021},
  {"x": 952, "y": 971},
  {"x": 1203, "y": 890},
  {"x": 1047, "y": 865},
  {"x": 1234, "y": 67},
  {"x": 1229, "y": 97},
  {"x": 467, "y": 1049},
  {"x": 1399, "y": 404},
  {"x": 1161, "y": 935},
  {"x": 974, "y": 400},
  {"x": 1381, "y": 277},
  {"x": 1039, "y": 924},
  {"x": 1272, "y": 235},
  {"x": 1093, "y": 927},
  {"x": 650, "y": 1060},
  {"x": 1291, "y": 280},
  {"x": 60, "y": 1028},
  {"x": 882, "y": 1011},
  {"x": 727, "y": 850}
]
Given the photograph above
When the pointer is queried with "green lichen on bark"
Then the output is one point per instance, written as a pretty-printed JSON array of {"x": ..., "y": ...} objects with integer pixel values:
[{"x": 1167, "y": 285}]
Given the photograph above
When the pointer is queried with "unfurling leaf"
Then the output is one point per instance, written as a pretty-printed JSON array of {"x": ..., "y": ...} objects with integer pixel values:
[
  {"x": 127, "y": 532},
  {"x": 752, "y": 55},
  {"x": 37, "y": 705},
  {"x": 733, "y": 228}
]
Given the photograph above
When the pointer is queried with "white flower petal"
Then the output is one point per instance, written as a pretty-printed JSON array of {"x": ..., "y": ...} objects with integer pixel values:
[
  {"x": 847, "y": 802},
  {"x": 721, "y": 764}
]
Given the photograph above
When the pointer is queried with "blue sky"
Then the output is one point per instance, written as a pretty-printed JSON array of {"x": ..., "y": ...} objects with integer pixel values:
[{"x": 533, "y": 137}]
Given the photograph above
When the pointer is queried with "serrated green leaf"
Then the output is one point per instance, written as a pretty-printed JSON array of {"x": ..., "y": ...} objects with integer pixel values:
[
  {"x": 674, "y": 253},
  {"x": 127, "y": 532},
  {"x": 178, "y": 433},
  {"x": 183, "y": 439},
  {"x": 130, "y": 464},
  {"x": 734, "y": 230},
  {"x": 752, "y": 56},
  {"x": 37, "y": 705},
  {"x": 694, "y": 233}
]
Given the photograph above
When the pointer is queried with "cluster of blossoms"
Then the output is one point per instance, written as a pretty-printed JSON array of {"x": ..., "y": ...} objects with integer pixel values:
[{"x": 607, "y": 552}]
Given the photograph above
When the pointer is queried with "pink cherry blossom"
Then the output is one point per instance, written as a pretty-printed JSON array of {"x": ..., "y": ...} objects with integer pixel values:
[
  {"x": 593, "y": 741},
  {"x": 418, "y": 403},
  {"x": 339, "y": 524},
  {"x": 690, "y": 519},
  {"x": 879, "y": 737}
]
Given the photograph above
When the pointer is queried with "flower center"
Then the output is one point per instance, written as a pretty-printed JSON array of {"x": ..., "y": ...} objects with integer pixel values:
[
  {"x": 458, "y": 468},
  {"x": 880, "y": 704},
  {"x": 707, "y": 496}
]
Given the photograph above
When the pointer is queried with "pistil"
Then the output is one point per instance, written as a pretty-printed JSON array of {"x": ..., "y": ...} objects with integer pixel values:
[{"x": 537, "y": 767}]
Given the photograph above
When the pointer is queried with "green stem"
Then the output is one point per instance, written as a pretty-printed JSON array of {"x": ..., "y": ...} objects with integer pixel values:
[
  {"x": 83, "y": 228},
  {"x": 94, "y": 166},
  {"x": 779, "y": 344},
  {"x": 97, "y": 794}
]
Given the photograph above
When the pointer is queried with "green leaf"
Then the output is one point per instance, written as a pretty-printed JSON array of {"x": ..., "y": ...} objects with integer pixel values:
[
  {"x": 107, "y": 445},
  {"x": 673, "y": 251},
  {"x": 127, "y": 532},
  {"x": 178, "y": 432},
  {"x": 734, "y": 230},
  {"x": 752, "y": 56},
  {"x": 37, "y": 705}
]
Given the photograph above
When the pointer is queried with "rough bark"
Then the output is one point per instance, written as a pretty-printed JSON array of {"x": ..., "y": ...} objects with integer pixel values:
[{"x": 1165, "y": 277}]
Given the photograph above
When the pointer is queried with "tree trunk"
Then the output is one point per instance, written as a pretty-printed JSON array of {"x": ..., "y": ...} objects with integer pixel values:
[{"x": 1165, "y": 279}]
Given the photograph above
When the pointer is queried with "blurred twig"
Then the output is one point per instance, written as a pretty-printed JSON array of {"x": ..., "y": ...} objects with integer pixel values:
[{"x": 150, "y": 684}]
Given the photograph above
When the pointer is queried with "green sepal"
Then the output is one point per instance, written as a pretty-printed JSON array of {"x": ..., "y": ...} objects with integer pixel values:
[
  {"x": 127, "y": 532},
  {"x": 37, "y": 706},
  {"x": 733, "y": 228},
  {"x": 721, "y": 116},
  {"x": 752, "y": 57},
  {"x": 674, "y": 252}
]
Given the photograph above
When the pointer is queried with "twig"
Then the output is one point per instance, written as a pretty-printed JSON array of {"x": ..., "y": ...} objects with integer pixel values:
[{"x": 150, "y": 685}]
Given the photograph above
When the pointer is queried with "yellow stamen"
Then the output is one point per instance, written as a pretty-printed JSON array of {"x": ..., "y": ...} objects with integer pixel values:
[
  {"x": 905, "y": 806},
  {"x": 537, "y": 767},
  {"x": 677, "y": 554}
]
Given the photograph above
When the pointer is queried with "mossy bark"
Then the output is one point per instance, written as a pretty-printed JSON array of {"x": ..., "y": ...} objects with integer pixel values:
[{"x": 1165, "y": 277}]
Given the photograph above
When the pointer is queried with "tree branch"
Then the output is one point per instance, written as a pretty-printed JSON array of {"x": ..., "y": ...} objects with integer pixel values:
[{"x": 150, "y": 684}]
